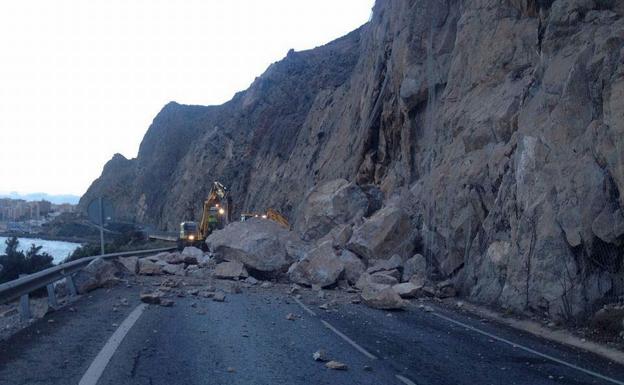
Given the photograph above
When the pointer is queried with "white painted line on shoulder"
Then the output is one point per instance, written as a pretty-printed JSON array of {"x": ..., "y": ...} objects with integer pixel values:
[
  {"x": 349, "y": 340},
  {"x": 93, "y": 374},
  {"x": 404, "y": 380},
  {"x": 527, "y": 349},
  {"x": 304, "y": 307}
]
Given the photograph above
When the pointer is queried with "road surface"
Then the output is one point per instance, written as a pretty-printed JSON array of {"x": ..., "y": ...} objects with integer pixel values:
[{"x": 248, "y": 340}]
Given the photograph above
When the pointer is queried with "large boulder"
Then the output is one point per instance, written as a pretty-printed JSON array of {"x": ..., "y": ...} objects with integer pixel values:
[
  {"x": 320, "y": 267},
  {"x": 415, "y": 266},
  {"x": 609, "y": 318},
  {"x": 147, "y": 267},
  {"x": 192, "y": 255},
  {"x": 383, "y": 279},
  {"x": 385, "y": 233},
  {"x": 339, "y": 236},
  {"x": 386, "y": 299},
  {"x": 366, "y": 282},
  {"x": 230, "y": 270},
  {"x": 173, "y": 258},
  {"x": 353, "y": 266},
  {"x": 394, "y": 263},
  {"x": 173, "y": 269},
  {"x": 327, "y": 205},
  {"x": 97, "y": 273},
  {"x": 131, "y": 264},
  {"x": 408, "y": 289},
  {"x": 263, "y": 246}
]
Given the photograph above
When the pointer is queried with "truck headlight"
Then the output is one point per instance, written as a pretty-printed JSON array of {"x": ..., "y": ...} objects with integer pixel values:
[
  {"x": 191, "y": 237},
  {"x": 221, "y": 211}
]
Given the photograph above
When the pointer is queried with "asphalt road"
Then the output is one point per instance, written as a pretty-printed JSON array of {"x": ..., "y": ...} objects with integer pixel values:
[{"x": 248, "y": 340}]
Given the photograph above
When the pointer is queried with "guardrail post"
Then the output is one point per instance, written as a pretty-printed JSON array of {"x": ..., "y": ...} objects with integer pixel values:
[
  {"x": 70, "y": 285},
  {"x": 51, "y": 296},
  {"x": 24, "y": 307}
]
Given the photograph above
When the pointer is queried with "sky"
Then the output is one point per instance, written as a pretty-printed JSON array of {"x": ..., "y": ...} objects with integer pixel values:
[{"x": 82, "y": 80}]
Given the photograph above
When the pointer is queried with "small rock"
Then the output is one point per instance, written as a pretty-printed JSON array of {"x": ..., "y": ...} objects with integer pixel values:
[
  {"x": 291, "y": 317},
  {"x": 231, "y": 369},
  {"x": 266, "y": 285},
  {"x": 294, "y": 289},
  {"x": 320, "y": 355},
  {"x": 218, "y": 297},
  {"x": 166, "y": 302},
  {"x": 324, "y": 306},
  {"x": 151, "y": 298},
  {"x": 336, "y": 365},
  {"x": 170, "y": 282},
  {"x": 368, "y": 368},
  {"x": 251, "y": 280}
]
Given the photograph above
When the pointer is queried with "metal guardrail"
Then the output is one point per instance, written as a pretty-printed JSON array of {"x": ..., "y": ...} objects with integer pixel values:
[
  {"x": 25, "y": 285},
  {"x": 164, "y": 237}
]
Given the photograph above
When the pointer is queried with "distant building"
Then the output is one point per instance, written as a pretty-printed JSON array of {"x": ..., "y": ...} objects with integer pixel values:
[{"x": 19, "y": 210}]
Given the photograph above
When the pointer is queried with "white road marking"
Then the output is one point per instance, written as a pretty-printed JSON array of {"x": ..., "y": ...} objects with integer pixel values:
[
  {"x": 93, "y": 374},
  {"x": 304, "y": 307},
  {"x": 349, "y": 340},
  {"x": 336, "y": 331},
  {"x": 527, "y": 349},
  {"x": 404, "y": 380}
]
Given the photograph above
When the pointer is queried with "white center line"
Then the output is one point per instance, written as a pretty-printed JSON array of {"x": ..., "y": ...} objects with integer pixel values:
[
  {"x": 304, "y": 307},
  {"x": 404, "y": 380},
  {"x": 349, "y": 340},
  {"x": 527, "y": 349},
  {"x": 98, "y": 365},
  {"x": 337, "y": 332}
]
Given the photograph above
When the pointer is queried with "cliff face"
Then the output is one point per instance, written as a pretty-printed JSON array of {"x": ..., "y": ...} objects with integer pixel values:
[{"x": 497, "y": 124}]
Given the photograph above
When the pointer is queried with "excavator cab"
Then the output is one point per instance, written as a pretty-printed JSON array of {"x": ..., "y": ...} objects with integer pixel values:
[{"x": 189, "y": 235}]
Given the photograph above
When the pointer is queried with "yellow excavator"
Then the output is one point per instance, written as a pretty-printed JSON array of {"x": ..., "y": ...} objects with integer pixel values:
[{"x": 216, "y": 214}]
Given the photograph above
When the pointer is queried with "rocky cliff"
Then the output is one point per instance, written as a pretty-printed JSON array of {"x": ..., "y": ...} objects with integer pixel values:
[{"x": 496, "y": 125}]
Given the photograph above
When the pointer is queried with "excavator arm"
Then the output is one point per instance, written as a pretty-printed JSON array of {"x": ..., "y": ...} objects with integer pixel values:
[
  {"x": 275, "y": 216},
  {"x": 218, "y": 199}
]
